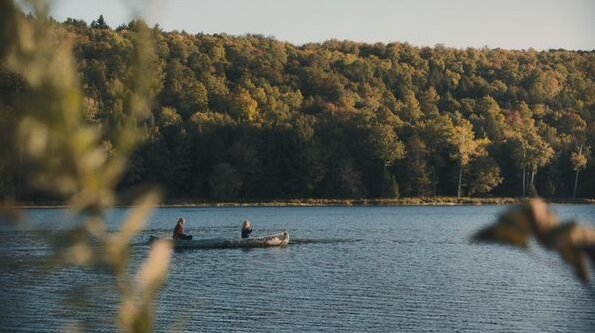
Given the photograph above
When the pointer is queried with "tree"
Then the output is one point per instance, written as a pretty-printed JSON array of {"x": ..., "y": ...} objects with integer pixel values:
[
  {"x": 492, "y": 123},
  {"x": 418, "y": 175},
  {"x": 531, "y": 153},
  {"x": 437, "y": 134},
  {"x": 182, "y": 91},
  {"x": 225, "y": 182},
  {"x": 579, "y": 160},
  {"x": 384, "y": 144},
  {"x": 485, "y": 175},
  {"x": 244, "y": 107},
  {"x": 429, "y": 102},
  {"x": 466, "y": 147},
  {"x": 411, "y": 109},
  {"x": 99, "y": 23}
]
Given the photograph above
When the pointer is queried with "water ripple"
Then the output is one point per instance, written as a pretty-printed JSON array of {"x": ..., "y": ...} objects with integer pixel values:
[{"x": 346, "y": 269}]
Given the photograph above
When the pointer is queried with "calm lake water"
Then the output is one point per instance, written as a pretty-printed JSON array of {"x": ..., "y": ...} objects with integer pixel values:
[{"x": 380, "y": 269}]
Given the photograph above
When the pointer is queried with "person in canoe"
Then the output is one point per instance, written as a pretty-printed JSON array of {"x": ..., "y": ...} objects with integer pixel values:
[
  {"x": 179, "y": 230},
  {"x": 246, "y": 228}
]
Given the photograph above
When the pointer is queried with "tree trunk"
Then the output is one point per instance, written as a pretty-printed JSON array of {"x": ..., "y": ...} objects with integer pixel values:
[
  {"x": 434, "y": 182},
  {"x": 524, "y": 173},
  {"x": 382, "y": 194},
  {"x": 460, "y": 178},
  {"x": 580, "y": 151},
  {"x": 575, "y": 185}
]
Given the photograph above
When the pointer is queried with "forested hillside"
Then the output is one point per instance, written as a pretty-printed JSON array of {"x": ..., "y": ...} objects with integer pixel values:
[{"x": 254, "y": 118}]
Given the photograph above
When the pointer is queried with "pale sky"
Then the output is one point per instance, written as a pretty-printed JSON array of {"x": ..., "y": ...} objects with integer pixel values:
[{"x": 510, "y": 24}]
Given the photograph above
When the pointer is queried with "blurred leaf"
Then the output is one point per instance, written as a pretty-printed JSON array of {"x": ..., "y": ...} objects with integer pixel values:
[
  {"x": 118, "y": 244},
  {"x": 506, "y": 234},
  {"x": 154, "y": 271},
  {"x": 574, "y": 242},
  {"x": 136, "y": 313},
  {"x": 512, "y": 228},
  {"x": 66, "y": 155}
]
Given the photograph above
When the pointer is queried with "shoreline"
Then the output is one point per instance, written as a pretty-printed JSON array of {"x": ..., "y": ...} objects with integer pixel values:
[{"x": 419, "y": 201}]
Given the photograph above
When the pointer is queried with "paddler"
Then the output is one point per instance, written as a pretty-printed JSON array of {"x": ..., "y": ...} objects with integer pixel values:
[
  {"x": 179, "y": 230},
  {"x": 246, "y": 228}
]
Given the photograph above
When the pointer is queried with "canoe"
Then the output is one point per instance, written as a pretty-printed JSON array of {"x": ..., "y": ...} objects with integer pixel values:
[{"x": 278, "y": 239}]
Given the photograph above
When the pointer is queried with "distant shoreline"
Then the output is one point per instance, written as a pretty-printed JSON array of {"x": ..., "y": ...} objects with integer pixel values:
[{"x": 421, "y": 201}]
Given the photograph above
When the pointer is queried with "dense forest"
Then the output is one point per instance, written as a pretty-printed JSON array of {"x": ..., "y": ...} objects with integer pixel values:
[{"x": 250, "y": 117}]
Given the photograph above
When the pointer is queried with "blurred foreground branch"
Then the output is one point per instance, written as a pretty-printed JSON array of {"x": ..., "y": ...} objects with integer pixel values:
[
  {"x": 534, "y": 218},
  {"x": 59, "y": 152}
]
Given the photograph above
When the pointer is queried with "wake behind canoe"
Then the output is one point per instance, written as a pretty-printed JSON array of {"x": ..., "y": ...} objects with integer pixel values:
[{"x": 278, "y": 239}]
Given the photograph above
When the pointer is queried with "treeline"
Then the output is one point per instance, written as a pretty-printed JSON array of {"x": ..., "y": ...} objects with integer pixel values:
[{"x": 254, "y": 118}]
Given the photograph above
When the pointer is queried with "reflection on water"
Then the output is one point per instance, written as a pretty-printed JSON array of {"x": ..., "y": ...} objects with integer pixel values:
[{"x": 346, "y": 269}]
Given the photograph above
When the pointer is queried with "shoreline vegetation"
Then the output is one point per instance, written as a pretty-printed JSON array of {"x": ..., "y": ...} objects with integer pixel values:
[
  {"x": 363, "y": 202},
  {"x": 244, "y": 117}
]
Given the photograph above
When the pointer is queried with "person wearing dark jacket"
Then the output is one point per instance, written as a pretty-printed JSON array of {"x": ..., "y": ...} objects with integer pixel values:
[
  {"x": 246, "y": 228},
  {"x": 179, "y": 230}
]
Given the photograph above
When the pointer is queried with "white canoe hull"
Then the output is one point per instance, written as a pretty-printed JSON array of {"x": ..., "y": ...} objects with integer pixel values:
[{"x": 278, "y": 239}]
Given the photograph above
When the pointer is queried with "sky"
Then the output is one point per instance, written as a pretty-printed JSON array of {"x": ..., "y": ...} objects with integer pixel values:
[{"x": 508, "y": 24}]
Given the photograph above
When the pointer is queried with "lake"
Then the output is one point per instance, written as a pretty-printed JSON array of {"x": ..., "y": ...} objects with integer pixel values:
[{"x": 347, "y": 269}]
